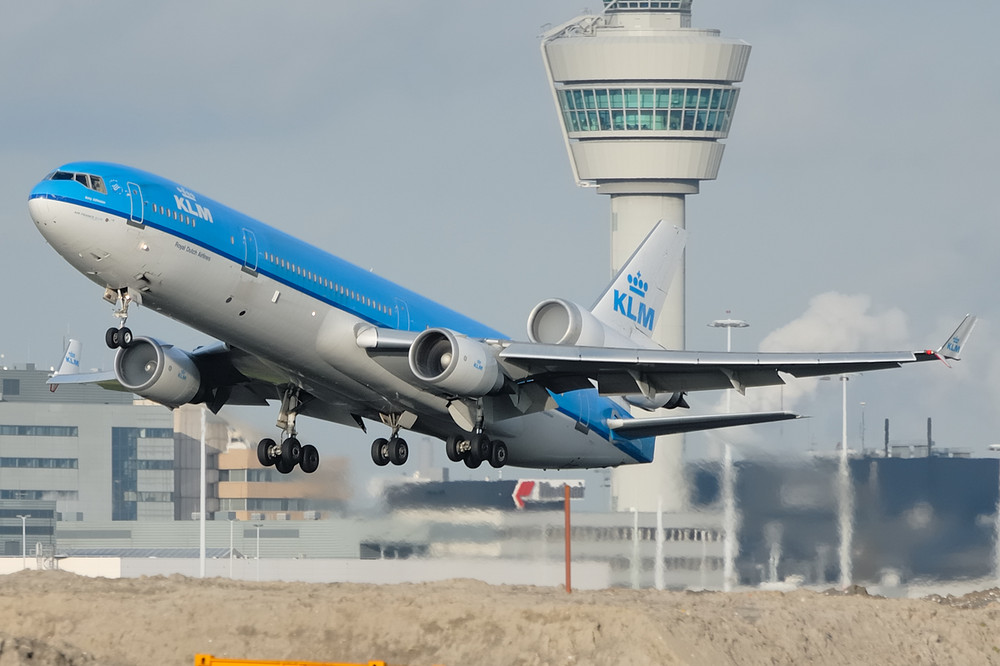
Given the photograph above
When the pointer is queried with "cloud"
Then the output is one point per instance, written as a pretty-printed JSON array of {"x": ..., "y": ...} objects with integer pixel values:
[{"x": 833, "y": 322}]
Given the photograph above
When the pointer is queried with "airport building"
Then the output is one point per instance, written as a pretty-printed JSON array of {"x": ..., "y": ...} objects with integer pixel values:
[
  {"x": 644, "y": 101},
  {"x": 103, "y": 455},
  {"x": 96, "y": 477}
]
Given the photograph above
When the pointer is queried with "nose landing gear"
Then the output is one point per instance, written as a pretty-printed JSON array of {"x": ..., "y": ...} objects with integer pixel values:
[{"x": 121, "y": 335}]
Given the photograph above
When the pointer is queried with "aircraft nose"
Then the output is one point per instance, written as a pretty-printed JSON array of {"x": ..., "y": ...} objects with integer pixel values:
[{"x": 40, "y": 210}]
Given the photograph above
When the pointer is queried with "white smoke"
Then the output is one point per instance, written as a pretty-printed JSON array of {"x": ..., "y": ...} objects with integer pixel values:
[{"x": 832, "y": 322}]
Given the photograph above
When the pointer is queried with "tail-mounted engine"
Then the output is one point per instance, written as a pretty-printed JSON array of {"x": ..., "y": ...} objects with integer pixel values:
[
  {"x": 454, "y": 364},
  {"x": 559, "y": 322},
  {"x": 158, "y": 372}
]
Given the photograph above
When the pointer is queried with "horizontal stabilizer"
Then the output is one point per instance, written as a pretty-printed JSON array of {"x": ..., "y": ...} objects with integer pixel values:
[{"x": 670, "y": 425}]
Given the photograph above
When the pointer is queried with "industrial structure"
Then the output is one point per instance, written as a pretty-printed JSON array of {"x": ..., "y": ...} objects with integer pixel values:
[{"x": 643, "y": 101}]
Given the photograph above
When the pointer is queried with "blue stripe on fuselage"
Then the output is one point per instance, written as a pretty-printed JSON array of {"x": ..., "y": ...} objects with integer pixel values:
[{"x": 219, "y": 229}]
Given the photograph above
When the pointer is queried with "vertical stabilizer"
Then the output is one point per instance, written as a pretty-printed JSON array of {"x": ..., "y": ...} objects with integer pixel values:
[
  {"x": 632, "y": 302},
  {"x": 71, "y": 359}
]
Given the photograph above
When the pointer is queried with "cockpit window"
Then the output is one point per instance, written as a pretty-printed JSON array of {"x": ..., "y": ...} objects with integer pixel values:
[{"x": 95, "y": 183}]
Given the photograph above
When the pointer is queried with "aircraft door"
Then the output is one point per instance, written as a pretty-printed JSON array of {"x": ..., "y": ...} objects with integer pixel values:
[
  {"x": 135, "y": 214},
  {"x": 402, "y": 315},
  {"x": 249, "y": 252}
]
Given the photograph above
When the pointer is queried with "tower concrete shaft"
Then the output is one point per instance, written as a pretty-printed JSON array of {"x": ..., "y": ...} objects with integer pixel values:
[{"x": 643, "y": 101}]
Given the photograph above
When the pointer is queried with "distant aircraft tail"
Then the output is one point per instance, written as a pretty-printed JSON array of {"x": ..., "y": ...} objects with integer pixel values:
[
  {"x": 632, "y": 302},
  {"x": 71, "y": 359},
  {"x": 952, "y": 348}
]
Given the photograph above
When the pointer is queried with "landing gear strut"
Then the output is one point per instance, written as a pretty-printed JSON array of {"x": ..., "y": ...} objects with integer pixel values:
[
  {"x": 290, "y": 452},
  {"x": 121, "y": 335}
]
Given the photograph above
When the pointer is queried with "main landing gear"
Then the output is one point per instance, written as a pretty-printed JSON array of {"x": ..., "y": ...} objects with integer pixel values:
[
  {"x": 477, "y": 450},
  {"x": 121, "y": 335},
  {"x": 290, "y": 452},
  {"x": 394, "y": 450}
]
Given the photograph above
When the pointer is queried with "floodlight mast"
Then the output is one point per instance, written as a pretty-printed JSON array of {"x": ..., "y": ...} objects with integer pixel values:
[{"x": 644, "y": 100}]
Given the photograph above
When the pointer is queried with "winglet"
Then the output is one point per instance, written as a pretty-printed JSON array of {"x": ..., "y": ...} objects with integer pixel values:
[
  {"x": 70, "y": 364},
  {"x": 952, "y": 348},
  {"x": 71, "y": 359}
]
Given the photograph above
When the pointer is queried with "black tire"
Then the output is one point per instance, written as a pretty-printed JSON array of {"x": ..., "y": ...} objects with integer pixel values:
[
  {"x": 310, "y": 459},
  {"x": 283, "y": 467},
  {"x": 124, "y": 337},
  {"x": 380, "y": 452},
  {"x": 481, "y": 446},
  {"x": 399, "y": 451},
  {"x": 112, "y": 339},
  {"x": 264, "y": 452},
  {"x": 498, "y": 454},
  {"x": 451, "y": 449},
  {"x": 291, "y": 451},
  {"x": 472, "y": 462}
]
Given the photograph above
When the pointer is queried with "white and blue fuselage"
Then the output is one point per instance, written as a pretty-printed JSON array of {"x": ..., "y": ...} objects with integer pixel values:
[{"x": 295, "y": 310}]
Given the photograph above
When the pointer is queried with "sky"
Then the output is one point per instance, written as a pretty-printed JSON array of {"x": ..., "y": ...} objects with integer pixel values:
[{"x": 855, "y": 207}]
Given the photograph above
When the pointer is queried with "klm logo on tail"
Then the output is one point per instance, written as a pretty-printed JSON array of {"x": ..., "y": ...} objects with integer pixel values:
[
  {"x": 955, "y": 345},
  {"x": 631, "y": 303}
]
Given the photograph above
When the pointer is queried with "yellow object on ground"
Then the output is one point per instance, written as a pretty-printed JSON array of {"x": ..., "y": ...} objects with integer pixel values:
[{"x": 209, "y": 660}]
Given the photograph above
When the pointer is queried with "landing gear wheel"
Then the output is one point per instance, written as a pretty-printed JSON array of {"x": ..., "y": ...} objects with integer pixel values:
[
  {"x": 283, "y": 467},
  {"x": 472, "y": 462},
  {"x": 264, "y": 452},
  {"x": 481, "y": 446},
  {"x": 380, "y": 452},
  {"x": 291, "y": 452},
  {"x": 399, "y": 451},
  {"x": 112, "y": 338},
  {"x": 451, "y": 449},
  {"x": 124, "y": 337},
  {"x": 498, "y": 454},
  {"x": 310, "y": 459}
]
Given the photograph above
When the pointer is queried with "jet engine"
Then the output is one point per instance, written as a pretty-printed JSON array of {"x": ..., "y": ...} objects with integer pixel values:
[
  {"x": 455, "y": 364},
  {"x": 158, "y": 372},
  {"x": 559, "y": 322},
  {"x": 658, "y": 401}
]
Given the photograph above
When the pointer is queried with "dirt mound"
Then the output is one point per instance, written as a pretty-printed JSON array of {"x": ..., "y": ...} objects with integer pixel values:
[{"x": 62, "y": 619}]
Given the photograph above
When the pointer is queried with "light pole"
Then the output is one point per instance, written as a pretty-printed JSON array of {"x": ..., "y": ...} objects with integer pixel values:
[
  {"x": 24, "y": 539},
  {"x": 729, "y": 544},
  {"x": 258, "y": 526},
  {"x": 729, "y": 324},
  {"x": 230, "y": 549}
]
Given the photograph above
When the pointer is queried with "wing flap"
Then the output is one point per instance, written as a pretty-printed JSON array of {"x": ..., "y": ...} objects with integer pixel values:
[{"x": 615, "y": 369}]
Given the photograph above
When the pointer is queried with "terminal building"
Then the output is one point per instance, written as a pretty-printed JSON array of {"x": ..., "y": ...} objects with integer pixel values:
[{"x": 102, "y": 455}]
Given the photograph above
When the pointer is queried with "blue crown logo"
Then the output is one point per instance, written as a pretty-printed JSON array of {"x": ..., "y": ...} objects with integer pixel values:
[{"x": 637, "y": 286}]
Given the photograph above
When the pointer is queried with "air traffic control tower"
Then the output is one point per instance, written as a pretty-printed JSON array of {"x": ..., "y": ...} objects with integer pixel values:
[{"x": 644, "y": 100}]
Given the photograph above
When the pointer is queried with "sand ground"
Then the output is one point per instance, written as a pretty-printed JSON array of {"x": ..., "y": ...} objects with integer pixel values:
[{"x": 51, "y": 618}]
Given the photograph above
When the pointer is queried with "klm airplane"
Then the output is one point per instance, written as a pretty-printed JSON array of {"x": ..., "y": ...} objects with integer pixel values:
[{"x": 332, "y": 341}]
